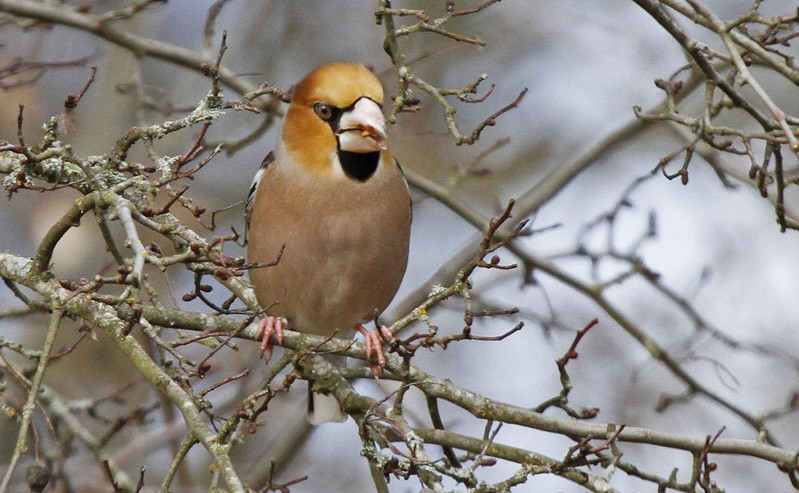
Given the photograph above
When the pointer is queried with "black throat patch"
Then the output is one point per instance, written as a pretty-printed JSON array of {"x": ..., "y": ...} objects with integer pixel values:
[{"x": 360, "y": 166}]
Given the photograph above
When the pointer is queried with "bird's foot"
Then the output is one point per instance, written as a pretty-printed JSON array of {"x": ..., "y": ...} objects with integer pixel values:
[
  {"x": 267, "y": 327},
  {"x": 375, "y": 346}
]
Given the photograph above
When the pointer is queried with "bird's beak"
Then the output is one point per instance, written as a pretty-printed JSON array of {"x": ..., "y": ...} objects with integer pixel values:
[{"x": 363, "y": 128}]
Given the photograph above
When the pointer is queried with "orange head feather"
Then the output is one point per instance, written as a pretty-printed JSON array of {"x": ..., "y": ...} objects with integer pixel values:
[{"x": 306, "y": 136}]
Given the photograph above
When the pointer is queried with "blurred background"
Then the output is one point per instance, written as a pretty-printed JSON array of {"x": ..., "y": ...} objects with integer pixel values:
[{"x": 586, "y": 65}]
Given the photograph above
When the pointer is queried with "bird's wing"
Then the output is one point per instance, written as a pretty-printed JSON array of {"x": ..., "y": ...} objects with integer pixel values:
[{"x": 253, "y": 189}]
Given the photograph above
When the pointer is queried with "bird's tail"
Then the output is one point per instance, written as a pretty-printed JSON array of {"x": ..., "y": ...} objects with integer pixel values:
[{"x": 323, "y": 408}]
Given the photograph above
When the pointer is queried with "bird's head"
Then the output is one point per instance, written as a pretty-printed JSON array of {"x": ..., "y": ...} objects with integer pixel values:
[{"x": 336, "y": 119}]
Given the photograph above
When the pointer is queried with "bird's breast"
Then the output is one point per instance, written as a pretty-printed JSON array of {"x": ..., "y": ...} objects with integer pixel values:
[{"x": 346, "y": 248}]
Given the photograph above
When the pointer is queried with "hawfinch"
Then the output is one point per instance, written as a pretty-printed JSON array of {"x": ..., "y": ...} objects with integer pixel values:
[{"x": 334, "y": 201}]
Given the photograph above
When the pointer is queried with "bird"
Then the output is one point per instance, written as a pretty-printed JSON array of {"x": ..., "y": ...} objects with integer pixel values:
[{"x": 331, "y": 204}]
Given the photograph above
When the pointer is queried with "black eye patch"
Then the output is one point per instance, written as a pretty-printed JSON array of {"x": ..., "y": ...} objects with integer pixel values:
[
  {"x": 329, "y": 113},
  {"x": 332, "y": 114}
]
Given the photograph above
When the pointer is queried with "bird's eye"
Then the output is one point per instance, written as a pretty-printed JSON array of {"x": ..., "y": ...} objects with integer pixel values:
[{"x": 323, "y": 110}]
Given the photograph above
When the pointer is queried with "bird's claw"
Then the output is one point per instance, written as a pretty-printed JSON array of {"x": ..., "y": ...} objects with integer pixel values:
[
  {"x": 267, "y": 327},
  {"x": 375, "y": 346}
]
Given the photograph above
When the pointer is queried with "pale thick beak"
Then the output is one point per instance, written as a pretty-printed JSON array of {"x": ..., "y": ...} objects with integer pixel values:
[{"x": 363, "y": 128}]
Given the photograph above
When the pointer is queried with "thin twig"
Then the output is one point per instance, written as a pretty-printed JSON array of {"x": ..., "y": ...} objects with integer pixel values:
[{"x": 21, "y": 446}]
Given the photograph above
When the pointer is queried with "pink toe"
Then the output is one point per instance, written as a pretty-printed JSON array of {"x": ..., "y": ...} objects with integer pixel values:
[
  {"x": 373, "y": 346},
  {"x": 266, "y": 328}
]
